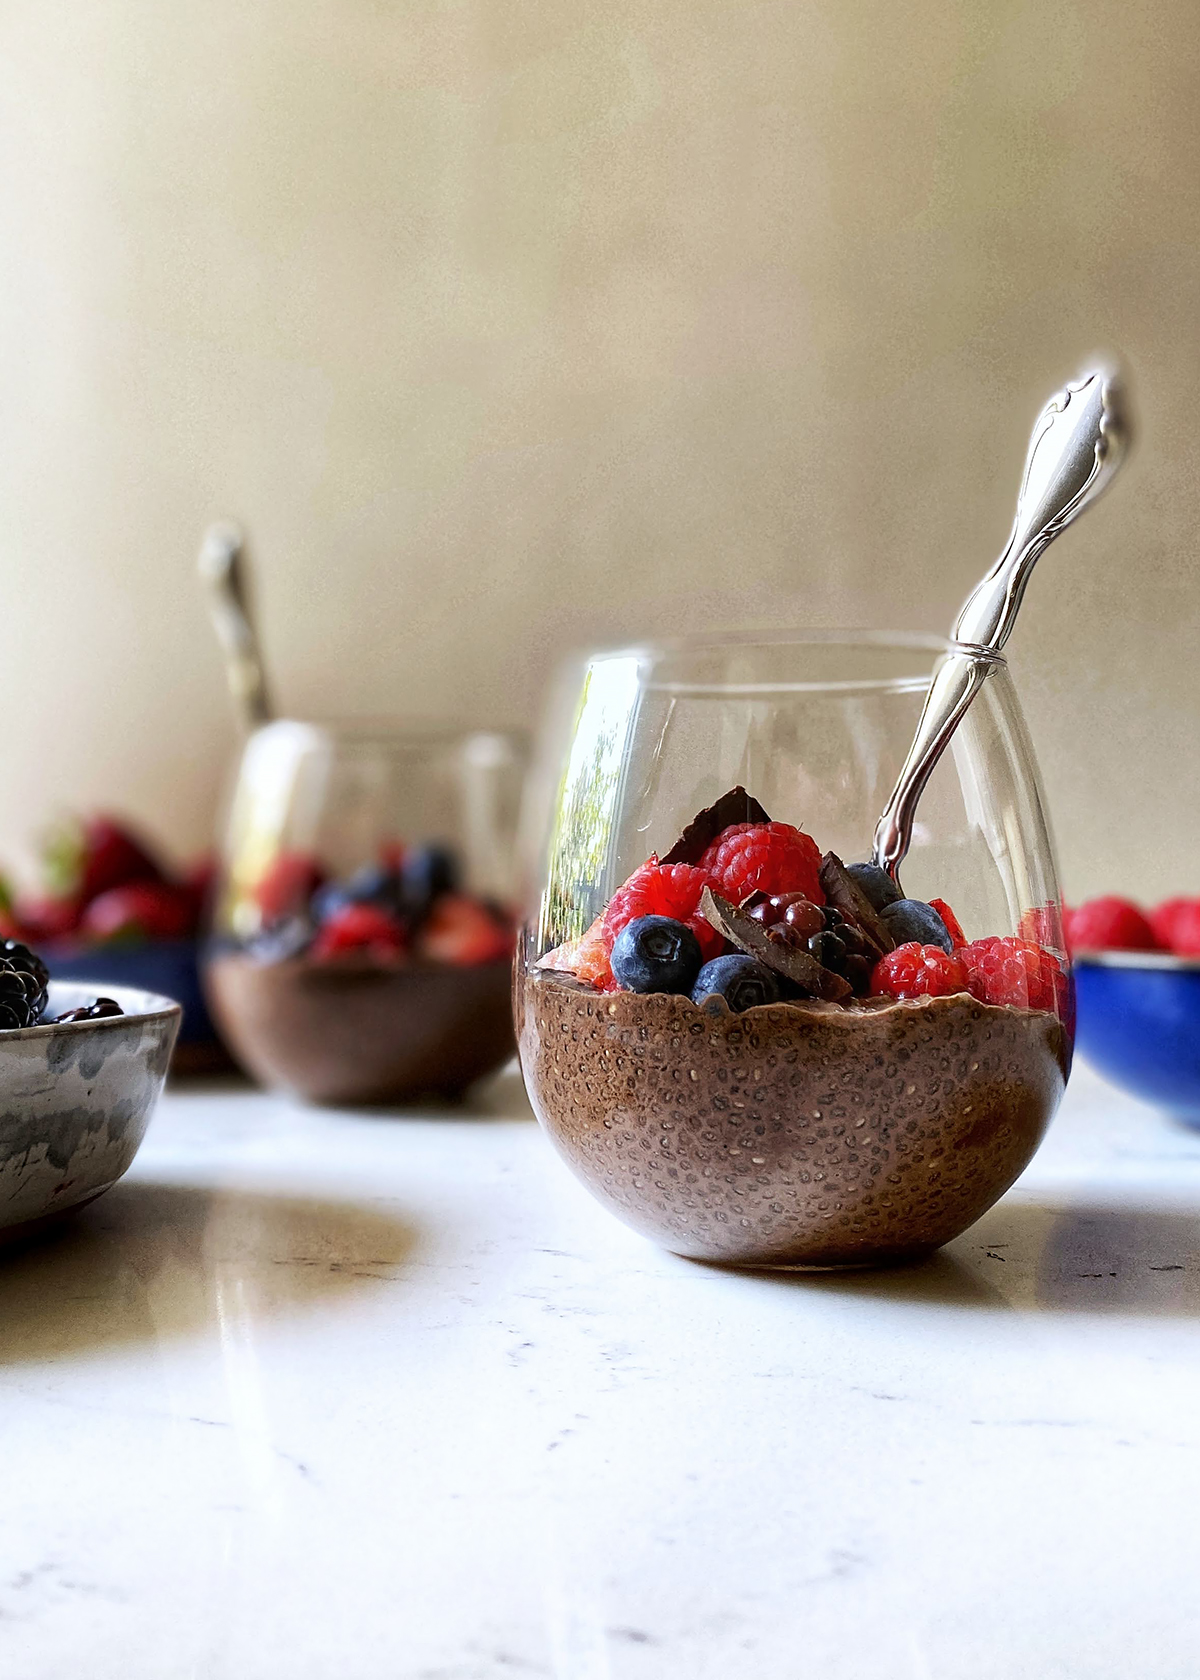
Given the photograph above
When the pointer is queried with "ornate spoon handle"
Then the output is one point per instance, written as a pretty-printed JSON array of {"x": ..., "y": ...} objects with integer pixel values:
[
  {"x": 1080, "y": 439},
  {"x": 222, "y": 568}
]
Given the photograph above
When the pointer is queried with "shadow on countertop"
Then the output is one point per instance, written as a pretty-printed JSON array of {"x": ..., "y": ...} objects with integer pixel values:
[
  {"x": 499, "y": 1097},
  {"x": 1053, "y": 1257},
  {"x": 150, "y": 1262}
]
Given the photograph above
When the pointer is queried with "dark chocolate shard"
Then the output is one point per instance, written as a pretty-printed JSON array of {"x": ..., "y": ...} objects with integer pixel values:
[
  {"x": 736, "y": 806},
  {"x": 843, "y": 892},
  {"x": 752, "y": 938}
]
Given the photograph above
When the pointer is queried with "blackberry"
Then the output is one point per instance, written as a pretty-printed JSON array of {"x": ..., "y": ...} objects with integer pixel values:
[
  {"x": 98, "y": 1011},
  {"x": 23, "y": 980}
]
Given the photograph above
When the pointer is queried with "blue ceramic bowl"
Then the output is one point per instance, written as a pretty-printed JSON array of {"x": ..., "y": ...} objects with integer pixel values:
[{"x": 1139, "y": 1025}]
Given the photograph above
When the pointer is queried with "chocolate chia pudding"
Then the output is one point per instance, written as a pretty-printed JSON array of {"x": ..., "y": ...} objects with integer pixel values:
[
  {"x": 358, "y": 1031},
  {"x": 801, "y": 1133}
]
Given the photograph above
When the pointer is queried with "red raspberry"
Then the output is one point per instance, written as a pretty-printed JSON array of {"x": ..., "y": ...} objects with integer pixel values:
[
  {"x": 913, "y": 971},
  {"x": 769, "y": 857},
  {"x": 1111, "y": 924},
  {"x": 1014, "y": 971},
  {"x": 953, "y": 926},
  {"x": 1177, "y": 926},
  {"x": 359, "y": 927},
  {"x": 663, "y": 889}
]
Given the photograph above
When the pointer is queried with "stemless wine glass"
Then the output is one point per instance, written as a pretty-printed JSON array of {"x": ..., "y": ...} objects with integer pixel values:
[
  {"x": 362, "y": 941},
  {"x": 799, "y": 1132}
]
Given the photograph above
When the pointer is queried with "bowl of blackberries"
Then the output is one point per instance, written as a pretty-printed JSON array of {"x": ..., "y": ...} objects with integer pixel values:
[
  {"x": 361, "y": 948},
  {"x": 80, "y": 1074}
]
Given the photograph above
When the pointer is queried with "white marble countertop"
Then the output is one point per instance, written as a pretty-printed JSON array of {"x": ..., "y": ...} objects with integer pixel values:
[{"x": 314, "y": 1395}]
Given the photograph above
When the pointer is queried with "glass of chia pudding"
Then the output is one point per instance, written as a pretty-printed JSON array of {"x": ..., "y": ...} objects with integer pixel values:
[
  {"x": 362, "y": 941},
  {"x": 747, "y": 1040}
]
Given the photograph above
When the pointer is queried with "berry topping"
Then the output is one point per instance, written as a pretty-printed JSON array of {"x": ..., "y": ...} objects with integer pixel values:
[
  {"x": 1014, "y": 971},
  {"x": 426, "y": 873},
  {"x": 953, "y": 926},
  {"x": 98, "y": 1011},
  {"x": 589, "y": 958},
  {"x": 779, "y": 947},
  {"x": 1111, "y": 924},
  {"x": 740, "y": 980},
  {"x": 913, "y": 971},
  {"x": 768, "y": 857},
  {"x": 663, "y": 889},
  {"x": 361, "y": 928},
  {"x": 464, "y": 932},
  {"x": 141, "y": 910},
  {"x": 736, "y": 806},
  {"x": 791, "y": 910},
  {"x": 908, "y": 920},
  {"x": 282, "y": 940},
  {"x": 1176, "y": 926},
  {"x": 656, "y": 954},
  {"x": 875, "y": 883},
  {"x": 288, "y": 883},
  {"x": 23, "y": 981},
  {"x": 374, "y": 884}
]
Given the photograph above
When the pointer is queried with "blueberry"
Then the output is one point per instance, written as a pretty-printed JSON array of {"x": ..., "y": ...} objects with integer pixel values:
[
  {"x": 909, "y": 920},
  {"x": 656, "y": 954},
  {"x": 426, "y": 873},
  {"x": 374, "y": 883},
  {"x": 740, "y": 980},
  {"x": 876, "y": 883},
  {"x": 282, "y": 940}
]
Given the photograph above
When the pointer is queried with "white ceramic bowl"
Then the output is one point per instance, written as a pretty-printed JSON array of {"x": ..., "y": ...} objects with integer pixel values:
[{"x": 75, "y": 1100}]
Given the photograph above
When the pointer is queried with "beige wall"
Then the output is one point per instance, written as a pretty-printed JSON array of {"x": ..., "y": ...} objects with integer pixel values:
[{"x": 507, "y": 324}]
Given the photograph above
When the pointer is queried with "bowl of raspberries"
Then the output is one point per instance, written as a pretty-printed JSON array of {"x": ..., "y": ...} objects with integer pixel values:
[
  {"x": 1138, "y": 978},
  {"x": 80, "y": 1075}
]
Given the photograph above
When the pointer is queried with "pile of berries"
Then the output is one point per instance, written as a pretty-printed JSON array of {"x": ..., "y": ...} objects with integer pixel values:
[
  {"x": 103, "y": 884},
  {"x": 751, "y": 912},
  {"x": 24, "y": 979},
  {"x": 1117, "y": 924},
  {"x": 836, "y": 942},
  {"x": 408, "y": 904}
]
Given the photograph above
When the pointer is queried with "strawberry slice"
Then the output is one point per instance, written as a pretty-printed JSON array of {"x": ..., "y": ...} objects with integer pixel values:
[
  {"x": 359, "y": 927},
  {"x": 287, "y": 884},
  {"x": 462, "y": 931}
]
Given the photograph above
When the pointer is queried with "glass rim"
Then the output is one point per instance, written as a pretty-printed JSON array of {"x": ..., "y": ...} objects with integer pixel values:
[
  {"x": 396, "y": 731},
  {"x": 700, "y": 642}
]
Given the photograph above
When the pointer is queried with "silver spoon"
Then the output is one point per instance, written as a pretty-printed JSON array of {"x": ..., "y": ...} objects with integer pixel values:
[
  {"x": 223, "y": 570},
  {"x": 1080, "y": 439}
]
